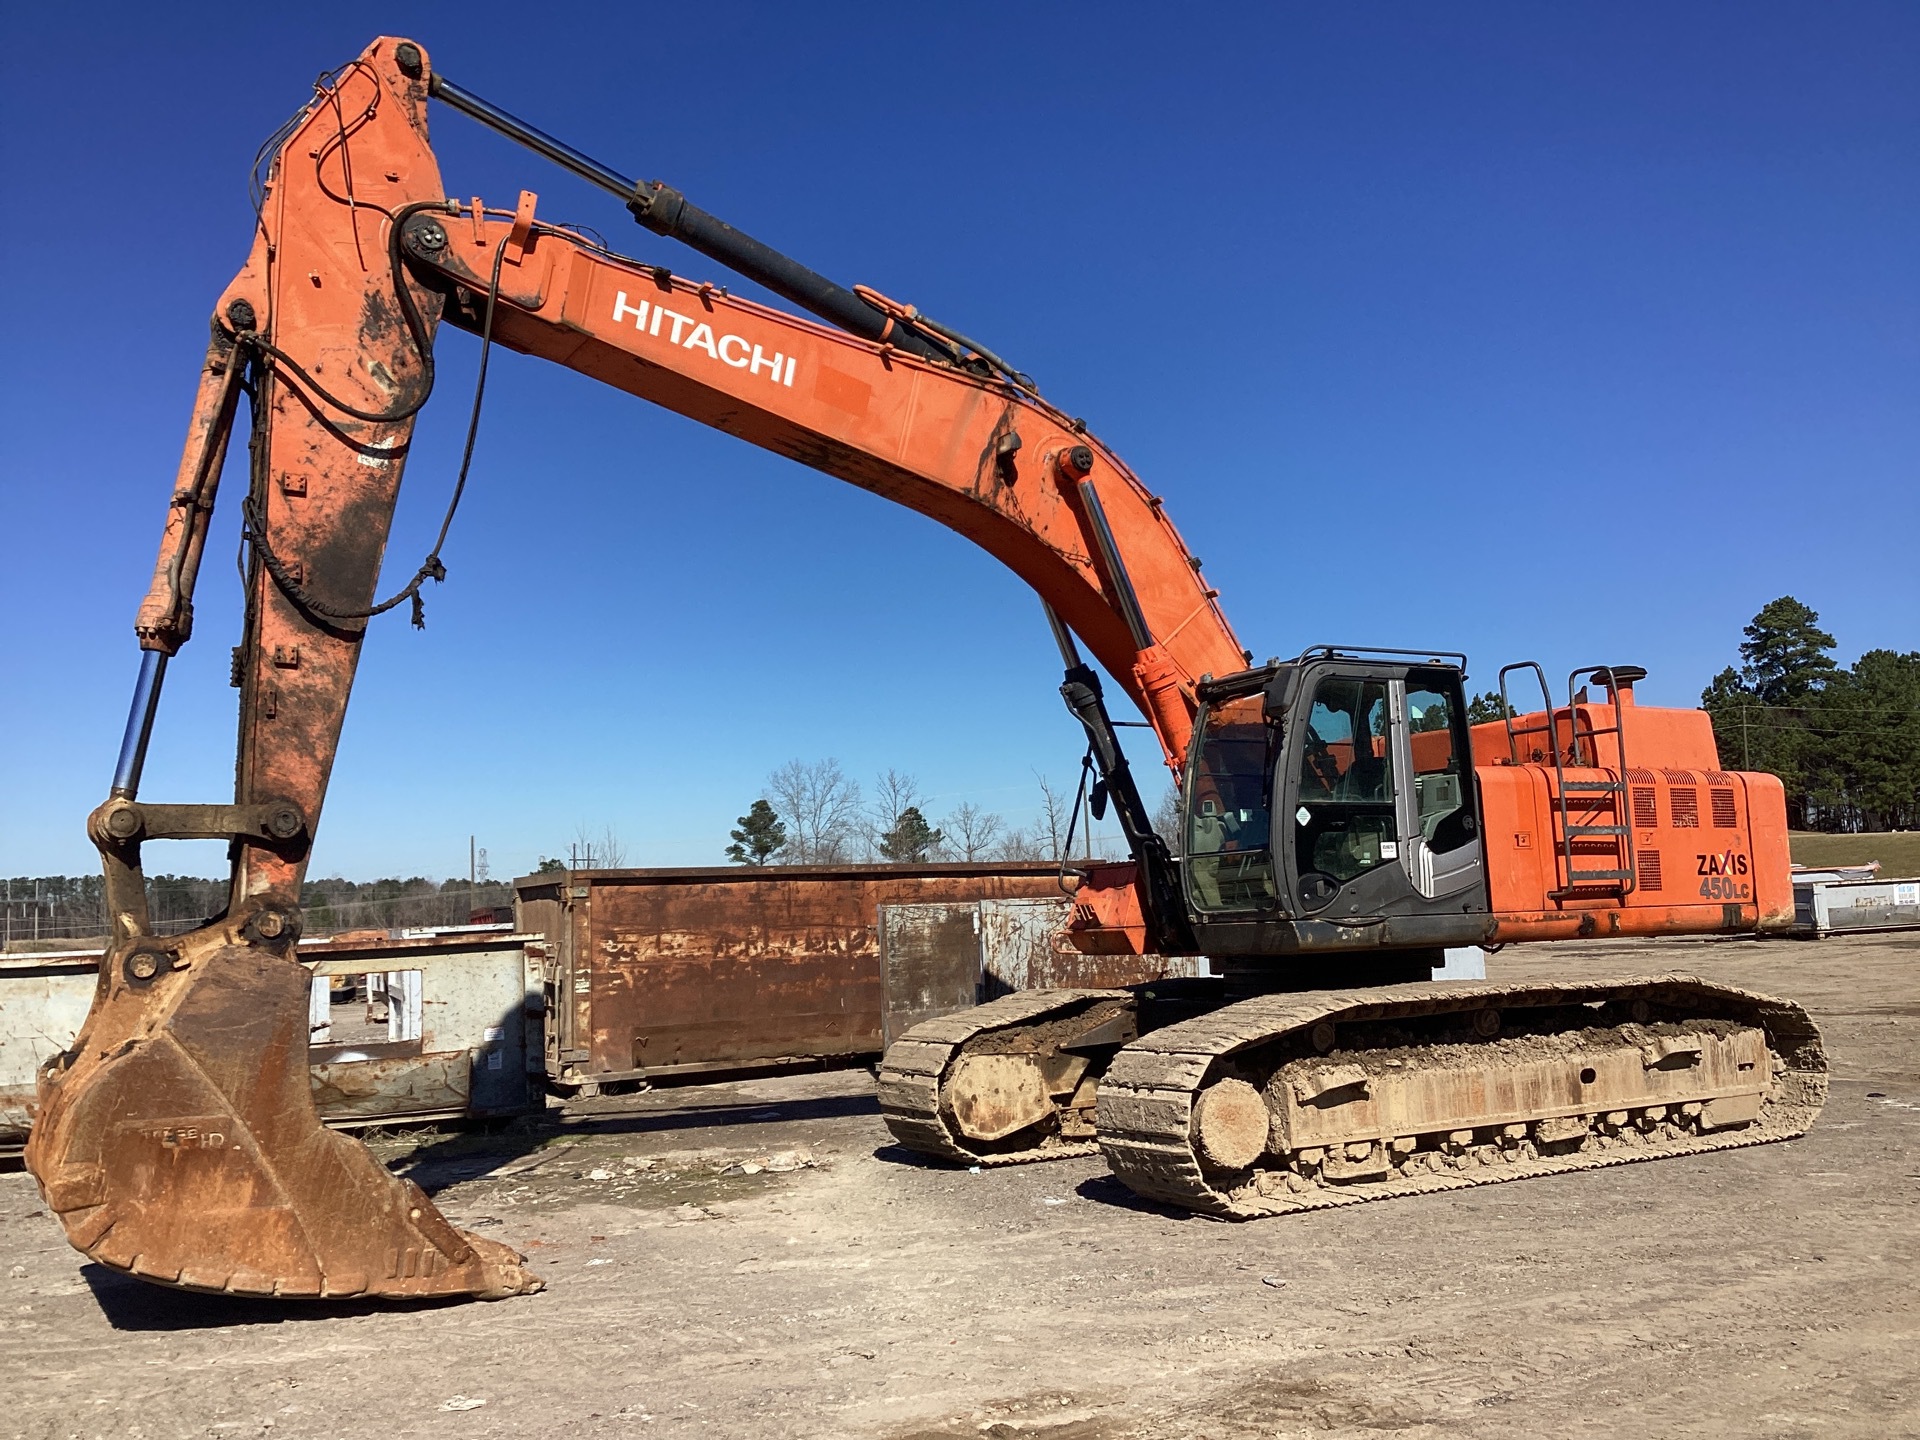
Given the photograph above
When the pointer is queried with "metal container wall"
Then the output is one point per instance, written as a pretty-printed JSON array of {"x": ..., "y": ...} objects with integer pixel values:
[
  {"x": 929, "y": 963},
  {"x": 1827, "y": 901},
  {"x": 937, "y": 959},
  {"x": 467, "y": 1055},
  {"x": 1024, "y": 946},
  {"x": 464, "y": 1047},
  {"x": 656, "y": 973},
  {"x": 43, "y": 1001}
]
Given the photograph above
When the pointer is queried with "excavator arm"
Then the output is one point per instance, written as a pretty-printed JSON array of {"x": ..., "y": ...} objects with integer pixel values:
[{"x": 177, "y": 1140}]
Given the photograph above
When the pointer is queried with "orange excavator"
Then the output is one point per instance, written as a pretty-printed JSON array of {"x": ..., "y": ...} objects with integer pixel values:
[{"x": 1342, "y": 822}]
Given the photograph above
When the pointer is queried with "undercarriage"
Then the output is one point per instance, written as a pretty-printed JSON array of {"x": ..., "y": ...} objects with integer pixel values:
[{"x": 1305, "y": 1100}]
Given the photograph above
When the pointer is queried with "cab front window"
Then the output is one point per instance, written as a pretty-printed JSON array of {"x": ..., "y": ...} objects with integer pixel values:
[
  {"x": 1345, "y": 822},
  {"x": 1229, "y": 860}
]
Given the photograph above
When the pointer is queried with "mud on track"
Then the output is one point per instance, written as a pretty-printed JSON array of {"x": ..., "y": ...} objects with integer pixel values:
[{"x": 757, "y": 1260}]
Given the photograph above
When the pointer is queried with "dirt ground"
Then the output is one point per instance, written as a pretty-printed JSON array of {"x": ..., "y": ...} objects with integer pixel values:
[{"x": 755, "y": 1259}]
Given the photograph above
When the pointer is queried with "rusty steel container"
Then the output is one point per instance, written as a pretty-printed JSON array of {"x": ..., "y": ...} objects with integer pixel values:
[{"x": 662, "y": 974}]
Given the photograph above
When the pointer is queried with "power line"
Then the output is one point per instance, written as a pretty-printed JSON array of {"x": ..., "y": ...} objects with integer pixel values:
[
  {"x": 1827, "y": 732},
  {"x": 1745, "y": 703}
]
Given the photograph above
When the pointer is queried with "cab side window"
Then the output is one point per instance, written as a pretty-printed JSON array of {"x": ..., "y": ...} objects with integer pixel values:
[{"x": 1439, "y": 769}]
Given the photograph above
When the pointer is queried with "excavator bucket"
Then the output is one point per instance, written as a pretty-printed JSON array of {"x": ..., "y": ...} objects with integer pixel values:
[{"x": 178, "y": 1141}]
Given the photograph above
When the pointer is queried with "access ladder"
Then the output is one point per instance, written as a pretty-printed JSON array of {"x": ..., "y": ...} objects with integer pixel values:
[{"x": 1588, "y": 798}]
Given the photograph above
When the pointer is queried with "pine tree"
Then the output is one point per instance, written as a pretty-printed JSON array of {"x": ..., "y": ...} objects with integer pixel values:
[
  {"x": 1761, "y": 712},
  {"x": 911, "y": 839},
  {"x": 1786, "y": 653},
  {"x": 1735, "y": 712},
  {"x": 760, "y": 837},
  {"x": 1864, "y": 739},
  {"x": 1844, "y": 742},
  {"x": 1482, "y": 708}
]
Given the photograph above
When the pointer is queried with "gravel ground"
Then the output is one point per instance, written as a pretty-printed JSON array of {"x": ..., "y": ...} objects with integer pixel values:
[{"x": 755, "y": 1259}]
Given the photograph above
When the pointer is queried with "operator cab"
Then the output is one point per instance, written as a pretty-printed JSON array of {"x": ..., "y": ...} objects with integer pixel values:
[{"x": 1335, "y": 788}]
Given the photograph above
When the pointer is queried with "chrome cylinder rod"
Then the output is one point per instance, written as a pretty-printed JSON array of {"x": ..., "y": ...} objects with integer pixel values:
[{"x": 133, "y": 743}]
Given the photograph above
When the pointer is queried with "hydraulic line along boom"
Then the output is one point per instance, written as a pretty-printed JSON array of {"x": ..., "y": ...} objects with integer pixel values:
[{"x": 665, "y": 211}]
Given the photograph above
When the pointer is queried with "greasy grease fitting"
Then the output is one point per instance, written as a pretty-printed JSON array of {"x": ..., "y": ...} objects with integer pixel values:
[{"x": 1309, "y": 1100}]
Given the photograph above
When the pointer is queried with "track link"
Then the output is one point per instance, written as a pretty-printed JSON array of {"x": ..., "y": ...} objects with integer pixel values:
[
  {"x": 1149, "y": 1097},
  {"x": 916, "y": 1065}
]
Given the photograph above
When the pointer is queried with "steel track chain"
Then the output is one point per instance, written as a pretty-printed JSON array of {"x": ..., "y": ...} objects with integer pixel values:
[
  {"x": 1147, "y": 1098},
  {"x": 916, "y": 1063}
]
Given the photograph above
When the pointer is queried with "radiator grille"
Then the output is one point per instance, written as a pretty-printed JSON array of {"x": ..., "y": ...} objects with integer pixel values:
[
  {"x": 1724, "y": 817},
  {"x": 1645, "y": 817},
  {"x": 1680, "y": 777},
  {"x": 1685, "y": 801},
  {"x": 1647, "y": 865}
]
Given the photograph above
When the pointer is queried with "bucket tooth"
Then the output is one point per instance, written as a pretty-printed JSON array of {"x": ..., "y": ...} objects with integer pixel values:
[{"x": 178, "y": 1141}]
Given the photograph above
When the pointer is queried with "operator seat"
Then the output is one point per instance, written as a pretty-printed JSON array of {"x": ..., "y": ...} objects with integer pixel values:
[
  {"x": 1206, "y": 838},
  {"x": 1365, "y": 780}
]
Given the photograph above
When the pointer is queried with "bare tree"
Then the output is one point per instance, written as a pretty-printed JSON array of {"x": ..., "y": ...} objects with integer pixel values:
[
  {"x": 1056, "y": 814},
  {"x": 604, "y": 851},
  {"x": 1020, "y": 843},
  {"x": 971, "y": 832},
  {"x": 1167, "y": 820},
  {"x": 822, "y": 809},
  {"x": 1045, "y": 838},
  {"x": 613, "y": 850},
  {"x": 894, "y": 793}
]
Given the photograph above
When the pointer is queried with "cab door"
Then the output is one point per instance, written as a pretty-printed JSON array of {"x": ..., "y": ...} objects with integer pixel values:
[
  {"x": 1375, "y": 795},
  {"x": 1438, "y": 810}
]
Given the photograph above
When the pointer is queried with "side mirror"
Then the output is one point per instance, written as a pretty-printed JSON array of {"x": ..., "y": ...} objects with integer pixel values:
[
  {"x": 1281, "y": 690},
  {"x": 1097, "y": 800}
]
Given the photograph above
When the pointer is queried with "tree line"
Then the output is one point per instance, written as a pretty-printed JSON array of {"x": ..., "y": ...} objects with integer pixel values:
[
  {"x": 1844, "y": 742},
  {"x": 814, "y": 813},
  {"x": 74, "y": 906}
]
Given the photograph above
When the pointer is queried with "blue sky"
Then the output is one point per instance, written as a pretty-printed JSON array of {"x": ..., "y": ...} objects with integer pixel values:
[{"x": 1570, "y": 332}]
